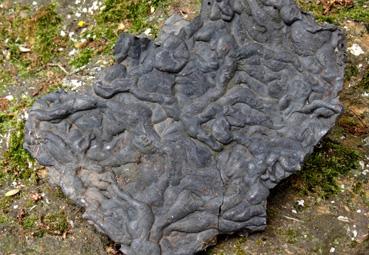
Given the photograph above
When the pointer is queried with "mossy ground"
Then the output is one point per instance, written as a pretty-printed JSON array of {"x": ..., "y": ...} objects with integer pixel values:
[
  {"x": 41, "y": 46},
  {"x": 357, "y": 11}
]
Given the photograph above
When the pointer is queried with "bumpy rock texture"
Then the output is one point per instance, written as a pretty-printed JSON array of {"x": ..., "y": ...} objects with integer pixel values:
[{"x": 182, "y": 139}]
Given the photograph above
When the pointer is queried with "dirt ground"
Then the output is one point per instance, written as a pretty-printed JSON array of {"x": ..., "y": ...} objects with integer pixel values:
[{"x": 46, "y": 45}]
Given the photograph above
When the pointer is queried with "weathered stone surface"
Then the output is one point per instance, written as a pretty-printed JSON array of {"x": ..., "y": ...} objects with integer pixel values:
[{"x": 182, "y": 139}]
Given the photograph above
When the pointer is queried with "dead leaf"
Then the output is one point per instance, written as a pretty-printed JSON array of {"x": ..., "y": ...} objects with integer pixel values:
[
  {"x": 328, "y": 5},
  {"x": 4, "y": 103},
  {"x": 12, "y": 192}
]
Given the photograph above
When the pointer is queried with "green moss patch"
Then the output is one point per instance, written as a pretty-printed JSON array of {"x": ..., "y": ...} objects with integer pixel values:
[
  {"x": 351, "y": 71},
  {"x": 329, "y": 161},
  {"x": 83, "y": 58},
  {"x": 16, "y": 161},
  {"x": 338, "y": 14},
  {"x": 131, "y": 14},
  {"x": 46, "y": 24},
  {"x": 30, "y": 222},
  {"x": 56, "y": 223},
  {"x": 28, "y": 40},
  {"x": 364, "y": 83}
]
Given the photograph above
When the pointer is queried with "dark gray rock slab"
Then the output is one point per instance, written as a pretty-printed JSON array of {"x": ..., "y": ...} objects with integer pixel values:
[{"x": 182, "y": 139}]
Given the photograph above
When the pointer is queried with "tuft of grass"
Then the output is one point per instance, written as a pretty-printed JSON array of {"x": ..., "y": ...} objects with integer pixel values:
[{"x": 321, "y": 169}]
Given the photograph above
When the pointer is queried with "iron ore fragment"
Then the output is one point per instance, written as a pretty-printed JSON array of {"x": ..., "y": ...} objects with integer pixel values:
[{"x": 182, "y": 138}]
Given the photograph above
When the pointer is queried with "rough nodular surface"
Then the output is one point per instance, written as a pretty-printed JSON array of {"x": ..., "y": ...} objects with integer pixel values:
[{"x": 182, "y": 139}]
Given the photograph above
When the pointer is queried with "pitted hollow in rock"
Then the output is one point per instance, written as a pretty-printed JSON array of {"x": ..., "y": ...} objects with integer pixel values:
[{"x": 182, "y": 139}]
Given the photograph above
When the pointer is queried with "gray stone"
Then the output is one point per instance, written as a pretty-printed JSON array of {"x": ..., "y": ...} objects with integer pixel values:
[{"x": 182, "y": 139}]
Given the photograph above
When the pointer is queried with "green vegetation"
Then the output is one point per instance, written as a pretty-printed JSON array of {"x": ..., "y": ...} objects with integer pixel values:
[
  {"x": 83, "y": 58},
  {"x": 56, "y": 223},
  {"x": 329, "y": 161},
  {"x": 132, "y": 15},
  {"x": 16, "y": 161},
  {"x": 30, "y": 222},
  {"x": 338, "y": 14},
  {"x": 351, "y": 71},
  {"x": 238, "y": 246},
  {"x": 12, "y": 36},
  {"x": 4, "y": 219},
  {"x": 134, "y": 12},
  {"x": 291, "y": 235},
  {"x": 53, "y": 223},
  {"x": 5, "y": 203},
  {"x": 27, "y": 40},
  {"x": 364, "y": 83},
  {"x": 47, "y": 24}
]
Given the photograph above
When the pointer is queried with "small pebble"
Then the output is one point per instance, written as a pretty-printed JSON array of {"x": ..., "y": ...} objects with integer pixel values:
[
  {"x": 9, "y": 98},
  {"x": 72, "y": 52},
  {"x": 301, "y": 203},
  {"x": 356, "y": 50},
  {"x": 343, "y": 218}
]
